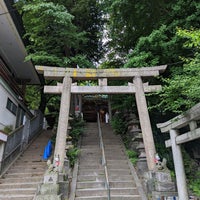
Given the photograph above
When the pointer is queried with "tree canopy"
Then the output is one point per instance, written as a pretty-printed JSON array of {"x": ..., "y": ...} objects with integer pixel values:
[
  {"x": 139, "y": 33},
  {"x": 62, "y": 33},
  {"x": 143, "y": 33}
]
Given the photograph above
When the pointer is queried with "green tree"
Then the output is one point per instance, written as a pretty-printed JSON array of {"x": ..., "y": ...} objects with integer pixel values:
[
  {"x": 182, "y": 90},
  {"x": 158, "y": 45},
  {"x": 61, "y": 33},
  {"x": 51, "y": 33},
  {"x": 132, "y": 24}
]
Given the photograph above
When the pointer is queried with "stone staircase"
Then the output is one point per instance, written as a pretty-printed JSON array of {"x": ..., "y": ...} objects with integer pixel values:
[
  {"x": 22, "y": 179},
  {"x": 90, "y": 178}
]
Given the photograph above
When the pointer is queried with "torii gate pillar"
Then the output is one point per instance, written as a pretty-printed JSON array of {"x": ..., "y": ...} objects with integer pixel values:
[
  {"x": 63, "y": 122},
  {"x": 145, "y": 122}
]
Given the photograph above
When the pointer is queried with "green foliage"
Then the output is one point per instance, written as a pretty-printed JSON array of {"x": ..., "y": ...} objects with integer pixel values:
[
  {"x": 61, "y": 33},
  {"x": 133, "y": 156},
  {"x": 50, "y": 31},
  {"x": 32, "y": 97},
  {"x": 118, "y": 124},
  {"x": 77, "y": 125},
  {"x": 194, "y": 185},
  {"x": 75, "y": 133},
  {"x": 128, "y": 20},
  {"x": 8, "y": 129},
  {"x": 192, "y": 172},
  {"x": 182, "y": 90},
  {"x": 123, "y": 102},
  {"x": 72, "y": 155},
  {"x": 61, "y": 30},
  {"x": 147, "y": 51}
]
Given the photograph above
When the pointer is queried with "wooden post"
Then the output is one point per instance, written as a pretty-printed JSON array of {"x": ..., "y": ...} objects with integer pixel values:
[
  {"x": 63, "y": 122},
  {"x": 179, "y": 167},
  {"x": 145, "y": 122}
]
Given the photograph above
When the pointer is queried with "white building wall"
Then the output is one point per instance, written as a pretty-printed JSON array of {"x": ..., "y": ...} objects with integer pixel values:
[{"x": 7, "y": 118}]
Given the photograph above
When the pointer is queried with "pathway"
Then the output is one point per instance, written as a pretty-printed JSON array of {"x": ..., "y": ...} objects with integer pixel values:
[{"x": 22, "y": 179}]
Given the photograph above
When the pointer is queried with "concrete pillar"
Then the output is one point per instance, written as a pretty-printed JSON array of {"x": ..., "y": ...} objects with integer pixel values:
[
  {"x": 102, "y": 81},
  {"x": 63, "y": 122},
  {"x": 109, "y": 108},
  {"x": 80, "y": 102},
  {"x": 145, "y": 122},
  {"x": 179, "y": 167},
  {"x": 193, "y": 125}
]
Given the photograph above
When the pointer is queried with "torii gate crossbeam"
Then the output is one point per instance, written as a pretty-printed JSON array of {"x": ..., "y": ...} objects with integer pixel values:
[{"x": 137, "y": 87}]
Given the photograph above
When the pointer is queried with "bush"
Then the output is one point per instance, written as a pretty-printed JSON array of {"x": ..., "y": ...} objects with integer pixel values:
[
  {"x": 8, "y": 129},
  {"x": 118, "y": 125},
  {"x": 72, "y": 155},
  {"x": 133, "y": 156}
]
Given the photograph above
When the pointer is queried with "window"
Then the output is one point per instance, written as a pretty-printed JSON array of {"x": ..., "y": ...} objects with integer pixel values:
[{"x": 11, "y": 107}]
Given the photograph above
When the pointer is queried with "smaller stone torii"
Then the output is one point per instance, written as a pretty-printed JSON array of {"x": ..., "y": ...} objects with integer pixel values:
[
  {"x": 172, "y": 126},
  {"x": 69, "y": 75}
]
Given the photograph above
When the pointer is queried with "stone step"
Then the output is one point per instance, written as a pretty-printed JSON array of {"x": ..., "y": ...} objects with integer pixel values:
[
  {"x": 17, "y": 197},
  {"x": 90, "y": 147},
  {"x": 91, "y": 178},
  {"x": 92, "y": 162},
  {"x": 24, "y": 174},
  {"x": 122, "y": 184},
  {"x": 31, "y": 157},
  {"x": 124, "y": 191},
  {"x": 115, "y": 157},
  {"x": 119, "y": 166},
  {"x": 92, "y": 166},
  {"x": 91, "y": 192},
  {"x": 119, "y": 172},
  {"x": 28, "y": 160},
  {"x": 93, "y": 150},
  {"x": 103, "y": 192},
  {"x": 91, "y": 184},
  {"x": 19, "y": 185},
  {"x": 121, "y": 178},
  {"x": 81, "y": 178},
  {"x": 29, "y": 170},
  {"x": 113, "y": 197},
  {"x": 91, "y": 172},
  {"x": 21, "y": 180},
  {"x": 117, "y": 162},
  {"x": 101, "y": 184},
  {"x": 14, "y": 191},
  {"x": 29, "y": 164},
  {"x": 90, "y": 155}
]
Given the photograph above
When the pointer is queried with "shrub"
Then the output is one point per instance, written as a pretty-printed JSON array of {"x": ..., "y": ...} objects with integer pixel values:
[
  {"x": 133, "y": 156},
  {"x": 72, "y": 155}
]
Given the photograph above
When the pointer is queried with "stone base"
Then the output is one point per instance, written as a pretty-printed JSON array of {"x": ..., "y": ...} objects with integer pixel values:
[
  {"x": 49, "y": 188},
  {"x": 159, "y": 183},
  {"x": 141, "y": 167},
  {"x": 51, "y": 178},
  {"x": 64, "y": 189},
  {"x": 165, "y": 187},
  {"x": 162, "y": 176},
  {"x": 48, "y": 197}
]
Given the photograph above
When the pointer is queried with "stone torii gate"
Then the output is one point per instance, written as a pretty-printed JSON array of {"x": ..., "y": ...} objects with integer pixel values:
[{"x": 69, "y": 75}]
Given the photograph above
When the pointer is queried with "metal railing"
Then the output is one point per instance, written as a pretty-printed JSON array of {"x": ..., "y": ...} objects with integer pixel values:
[
  {"x": 104, "y": 163},
  {"x": 19, "y": 139}
]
